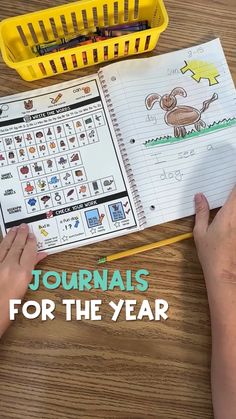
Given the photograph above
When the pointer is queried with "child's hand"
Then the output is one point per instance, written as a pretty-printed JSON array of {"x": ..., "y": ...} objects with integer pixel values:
[{"x": 18, "y": 257}]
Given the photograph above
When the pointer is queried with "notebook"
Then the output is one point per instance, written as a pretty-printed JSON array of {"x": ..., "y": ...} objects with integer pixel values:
[{"x": 118, "y": 151}]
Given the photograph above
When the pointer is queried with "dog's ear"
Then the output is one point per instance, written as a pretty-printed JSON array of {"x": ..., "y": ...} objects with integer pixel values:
[
  {"x": 178, "y": 91},
  {"x": 151, "y": 100}
]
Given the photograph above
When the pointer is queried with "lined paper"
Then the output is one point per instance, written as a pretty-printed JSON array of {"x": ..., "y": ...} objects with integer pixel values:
[{"x": 168, "y": 170}]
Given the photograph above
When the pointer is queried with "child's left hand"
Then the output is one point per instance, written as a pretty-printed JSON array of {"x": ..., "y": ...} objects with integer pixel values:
[{"x": 18, "y": 257}]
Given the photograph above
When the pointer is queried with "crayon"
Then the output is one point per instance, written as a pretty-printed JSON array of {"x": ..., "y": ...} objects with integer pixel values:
[
  {"x": 95, "y": 55},
  {"x": 85, "y": 60},
  {"x": 93, "y": 39},
  {"x": 93, "y": 35},
  {"x": 66, "y": 43},
  {"x": 126, "y": 29},
  {"x": 131, "y": 26},
  {"x": 59, "y": 45}
]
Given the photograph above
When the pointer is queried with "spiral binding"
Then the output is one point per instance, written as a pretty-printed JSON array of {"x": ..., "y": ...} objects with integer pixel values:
[{"x": 133, "y": 185}]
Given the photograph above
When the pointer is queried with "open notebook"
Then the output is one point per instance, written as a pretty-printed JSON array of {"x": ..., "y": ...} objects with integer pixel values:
[{"x": 119, "y": 151}]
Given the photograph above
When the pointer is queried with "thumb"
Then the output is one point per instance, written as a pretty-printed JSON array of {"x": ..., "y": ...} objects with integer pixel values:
[
  {"x": 41, "y": 256},
  {"x": 202, "y": 215}
]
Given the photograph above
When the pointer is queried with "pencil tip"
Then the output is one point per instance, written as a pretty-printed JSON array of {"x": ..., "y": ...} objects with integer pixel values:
[{"x": 102, "y": 260}]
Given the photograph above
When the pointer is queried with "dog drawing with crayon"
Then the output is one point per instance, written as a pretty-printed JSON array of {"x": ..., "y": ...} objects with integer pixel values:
[{"x": 179, "y": 116}]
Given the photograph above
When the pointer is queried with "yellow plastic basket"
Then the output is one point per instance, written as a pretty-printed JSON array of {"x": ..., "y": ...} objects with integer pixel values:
[{"x": 19, "y": 34}]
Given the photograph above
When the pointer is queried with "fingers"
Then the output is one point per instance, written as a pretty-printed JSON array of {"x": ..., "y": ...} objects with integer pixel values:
[
  {"x": 29, "y": 254},
  {"x": 18, "y": 245},
  {"x": 230, "y": 204},
  {"x": 202, "y": 215},
  {"x": 7, "y": 243},
  {"x": 30, "y": 258}
]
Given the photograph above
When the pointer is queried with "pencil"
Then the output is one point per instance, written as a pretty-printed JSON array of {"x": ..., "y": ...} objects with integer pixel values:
[{"x": 145, "y": 248}]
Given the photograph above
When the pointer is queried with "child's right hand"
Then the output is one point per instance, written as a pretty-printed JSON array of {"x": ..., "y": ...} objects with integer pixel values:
[{"x": 18, "y": 257}]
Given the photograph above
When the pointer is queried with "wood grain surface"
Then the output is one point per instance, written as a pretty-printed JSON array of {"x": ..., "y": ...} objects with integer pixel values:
[{"x": 85, "y": 369}]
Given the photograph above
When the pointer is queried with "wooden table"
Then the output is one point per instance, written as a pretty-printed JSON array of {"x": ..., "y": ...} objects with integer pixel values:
[{"x": 85, "y": 369}]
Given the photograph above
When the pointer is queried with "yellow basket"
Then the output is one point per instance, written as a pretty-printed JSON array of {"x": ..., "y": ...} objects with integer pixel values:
[{"x": 19, "y": 34}]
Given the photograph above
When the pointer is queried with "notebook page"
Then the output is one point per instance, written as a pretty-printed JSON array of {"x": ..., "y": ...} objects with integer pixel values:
[
  {"x": 61, "y": 170},
  {"x": 177, "y": 116}
]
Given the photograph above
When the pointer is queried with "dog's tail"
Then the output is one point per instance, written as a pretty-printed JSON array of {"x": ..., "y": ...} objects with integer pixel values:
[{"x": 207, "y": 103}]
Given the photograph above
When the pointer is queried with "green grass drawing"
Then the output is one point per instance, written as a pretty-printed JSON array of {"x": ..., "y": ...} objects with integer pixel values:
[{"x": 168, "y": 139}]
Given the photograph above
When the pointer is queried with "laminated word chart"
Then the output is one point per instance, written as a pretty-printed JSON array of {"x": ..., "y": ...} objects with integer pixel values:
[{"x": 60, "y": 167}]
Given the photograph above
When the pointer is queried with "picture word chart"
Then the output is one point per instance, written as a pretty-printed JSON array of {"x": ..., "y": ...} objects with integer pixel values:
[{"x": 60, "y": 167}]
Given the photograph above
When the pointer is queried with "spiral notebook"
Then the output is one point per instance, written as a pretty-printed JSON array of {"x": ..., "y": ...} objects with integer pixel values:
[{"x": 119, "y": 151}]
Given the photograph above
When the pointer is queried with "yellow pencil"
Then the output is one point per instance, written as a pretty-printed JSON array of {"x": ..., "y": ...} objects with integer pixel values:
[{"x": 145, "y": 248}]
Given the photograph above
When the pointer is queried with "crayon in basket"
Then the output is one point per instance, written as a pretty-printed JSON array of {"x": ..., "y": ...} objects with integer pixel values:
[
  {"x": 28, "y": 42},
  {"x": 62, "y": 44},
  {"x": 119, "y": 30},
  {"x": 94, "y": 35}
]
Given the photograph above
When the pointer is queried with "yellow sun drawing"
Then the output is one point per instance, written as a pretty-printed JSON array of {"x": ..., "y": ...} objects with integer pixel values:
[{"x": 201, "y": 70}]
